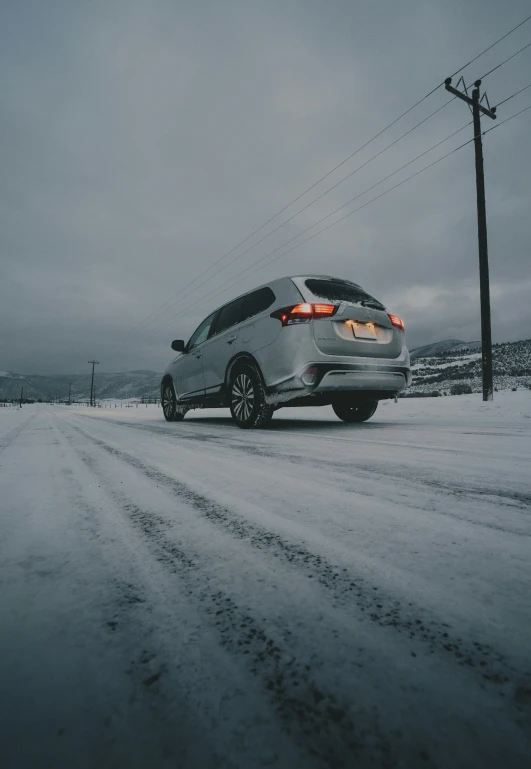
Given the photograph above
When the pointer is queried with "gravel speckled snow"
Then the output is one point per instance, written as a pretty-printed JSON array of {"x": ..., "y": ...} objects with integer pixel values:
[{"x": 310, "y": 595}]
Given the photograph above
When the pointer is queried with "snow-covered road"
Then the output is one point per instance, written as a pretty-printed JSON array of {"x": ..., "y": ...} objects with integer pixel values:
[{"x": 311, "y": 595}]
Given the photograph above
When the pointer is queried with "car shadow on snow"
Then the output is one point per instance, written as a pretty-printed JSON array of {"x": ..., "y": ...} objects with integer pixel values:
[{"x": 279, "y": 423}]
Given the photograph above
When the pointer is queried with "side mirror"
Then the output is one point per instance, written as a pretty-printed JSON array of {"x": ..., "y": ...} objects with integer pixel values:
[{"x": 178, "y": 345}]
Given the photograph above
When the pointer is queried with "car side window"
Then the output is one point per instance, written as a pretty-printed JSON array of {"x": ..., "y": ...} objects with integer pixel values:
[
  {"x": 229, "y": 316},
  {"x": 256, "y": 302},
  {"x": 201, "y": 332}
]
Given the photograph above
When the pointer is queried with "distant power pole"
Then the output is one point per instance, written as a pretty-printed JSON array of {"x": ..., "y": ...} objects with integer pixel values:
[
  {"x": 484, "y": 289},
  {"x": 94, "y": 363},
  {"x": 21, "y": 393}
]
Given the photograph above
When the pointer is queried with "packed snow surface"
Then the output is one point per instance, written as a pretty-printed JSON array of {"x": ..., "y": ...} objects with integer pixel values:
[{"x": 314, "y": 594}]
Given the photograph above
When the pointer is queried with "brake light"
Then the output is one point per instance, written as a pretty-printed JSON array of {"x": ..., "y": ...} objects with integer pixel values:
[
  {"x": 301, "y": 310},
  {"x": 397, "y": 322},
  {"x": 303, "y": 313},
  {"x": 324, "y": 310}
]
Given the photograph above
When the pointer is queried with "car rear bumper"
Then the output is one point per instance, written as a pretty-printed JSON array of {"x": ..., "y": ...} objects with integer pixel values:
[
  {"x": 329, "y": 378},
  {"x": 363, "y": 378}
]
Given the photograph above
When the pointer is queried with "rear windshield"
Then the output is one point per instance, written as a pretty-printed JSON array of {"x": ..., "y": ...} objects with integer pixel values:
[{"x": 341, "y": 291}]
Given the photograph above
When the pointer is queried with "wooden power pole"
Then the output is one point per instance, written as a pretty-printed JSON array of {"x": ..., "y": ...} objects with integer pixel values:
[
  {"x": 484, "y": 286},
  {"x": 94, "y": 363}
]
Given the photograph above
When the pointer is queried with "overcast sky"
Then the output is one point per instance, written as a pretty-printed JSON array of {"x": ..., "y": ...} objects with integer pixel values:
[{"x": 140, "y": 140}]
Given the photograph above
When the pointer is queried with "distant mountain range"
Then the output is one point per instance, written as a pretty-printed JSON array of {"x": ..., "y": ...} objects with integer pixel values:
[
  {"x": 435, "y": 366},
  {"x": 132, "y": 384}
]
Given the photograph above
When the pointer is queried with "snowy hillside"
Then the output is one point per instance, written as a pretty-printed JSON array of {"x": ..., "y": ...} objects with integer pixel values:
[
  {"x": 441, "y": 366},
  {"x": 448, "y": 345},
  {"x": 132, "y": 384}
]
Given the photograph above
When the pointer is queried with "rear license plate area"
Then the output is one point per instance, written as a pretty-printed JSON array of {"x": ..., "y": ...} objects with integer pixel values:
[{"x": 364, "y": 331}]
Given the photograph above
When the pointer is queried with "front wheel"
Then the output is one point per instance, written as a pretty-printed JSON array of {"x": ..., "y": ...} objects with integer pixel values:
[
  {"x": 247, "y": 395},
  {"x": 169, "y": 404},
  {"x": 352, "y": 413}
]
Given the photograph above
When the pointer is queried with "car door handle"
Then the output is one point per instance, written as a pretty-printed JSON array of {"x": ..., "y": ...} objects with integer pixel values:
[
  {"x": 198, "y": 354},
  {"x": 231, "y": 339}
]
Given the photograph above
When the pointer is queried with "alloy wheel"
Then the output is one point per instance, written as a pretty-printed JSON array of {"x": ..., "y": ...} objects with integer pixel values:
[
  {"x": 243, "y": 397},
  {"x": 168, "y": 402}
]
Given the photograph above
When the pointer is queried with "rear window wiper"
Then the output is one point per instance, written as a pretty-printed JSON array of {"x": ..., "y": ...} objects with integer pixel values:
[{"x": 372, "y": 303}]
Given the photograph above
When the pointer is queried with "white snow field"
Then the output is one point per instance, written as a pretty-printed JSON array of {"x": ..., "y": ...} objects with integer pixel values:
[{"x": 315, "y": 594}]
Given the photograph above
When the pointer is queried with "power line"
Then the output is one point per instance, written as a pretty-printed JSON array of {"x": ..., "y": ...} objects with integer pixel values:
[
  {"x": 335, "y": 211},
  {"x": 355, "y": 197},
  {"x": 308, "y": 189},
  {"x": 248, "y": 237},
  {"x": 319, "y": 197},
  {"x": 512, "y": 97},
  {"x": 403, "y": 181},
  {"x": 345, "y": 204},
  {"x": 503, "y": 62},
  {"x": 381, "y": 180},
  {"x": 509, "y": 118},
  {"x": 425, "y": 168},
  {"x": 490, "y": 46},
  {"x": 372, "y": 200},
  {"x": 333, "y": 224},
  {"x": 261, "y": 259}
]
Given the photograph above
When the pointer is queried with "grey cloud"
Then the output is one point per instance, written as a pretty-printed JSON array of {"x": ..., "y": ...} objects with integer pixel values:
[{"x": 139, "y": 141}]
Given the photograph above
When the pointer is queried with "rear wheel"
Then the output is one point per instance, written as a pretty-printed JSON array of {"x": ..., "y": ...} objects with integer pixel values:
[
  {"x": 171, "y": 411},
  {"x": 354, "y": 413},
  {"x": 248, "y": 398}
]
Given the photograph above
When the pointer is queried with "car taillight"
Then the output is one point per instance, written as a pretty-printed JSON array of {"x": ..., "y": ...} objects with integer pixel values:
[
  {"x": 324, "y": 310},
  {"x": 397, "y": 322},
  {"x": 303, "y": 313}
]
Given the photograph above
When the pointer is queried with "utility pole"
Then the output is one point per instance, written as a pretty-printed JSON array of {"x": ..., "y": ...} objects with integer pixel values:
[
  {"x": 21, "y": 393},
  {"x": 94, "y": 363},
  {"x": 484, "y": 287}
]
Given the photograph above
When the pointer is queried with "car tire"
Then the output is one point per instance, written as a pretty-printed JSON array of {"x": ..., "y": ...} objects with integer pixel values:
[
  {"x": 247, "y": 398},
  {"x": 169, "y": 404},
  {"x": 351, "y": 413}
]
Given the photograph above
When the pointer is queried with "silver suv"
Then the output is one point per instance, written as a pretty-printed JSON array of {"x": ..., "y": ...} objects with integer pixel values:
[{"x": 307, "y": 340}]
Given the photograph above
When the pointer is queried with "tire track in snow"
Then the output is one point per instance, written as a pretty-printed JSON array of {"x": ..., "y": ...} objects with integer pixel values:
[
  {"x": 499, "y": 497},
  {"x": 12, "y": 433},
  {"x": 318, "y": 721},
  {"x": 128, "y": 612},
  {"x": 411, "y": 621},
  {"x": 404, "y": 475}
]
